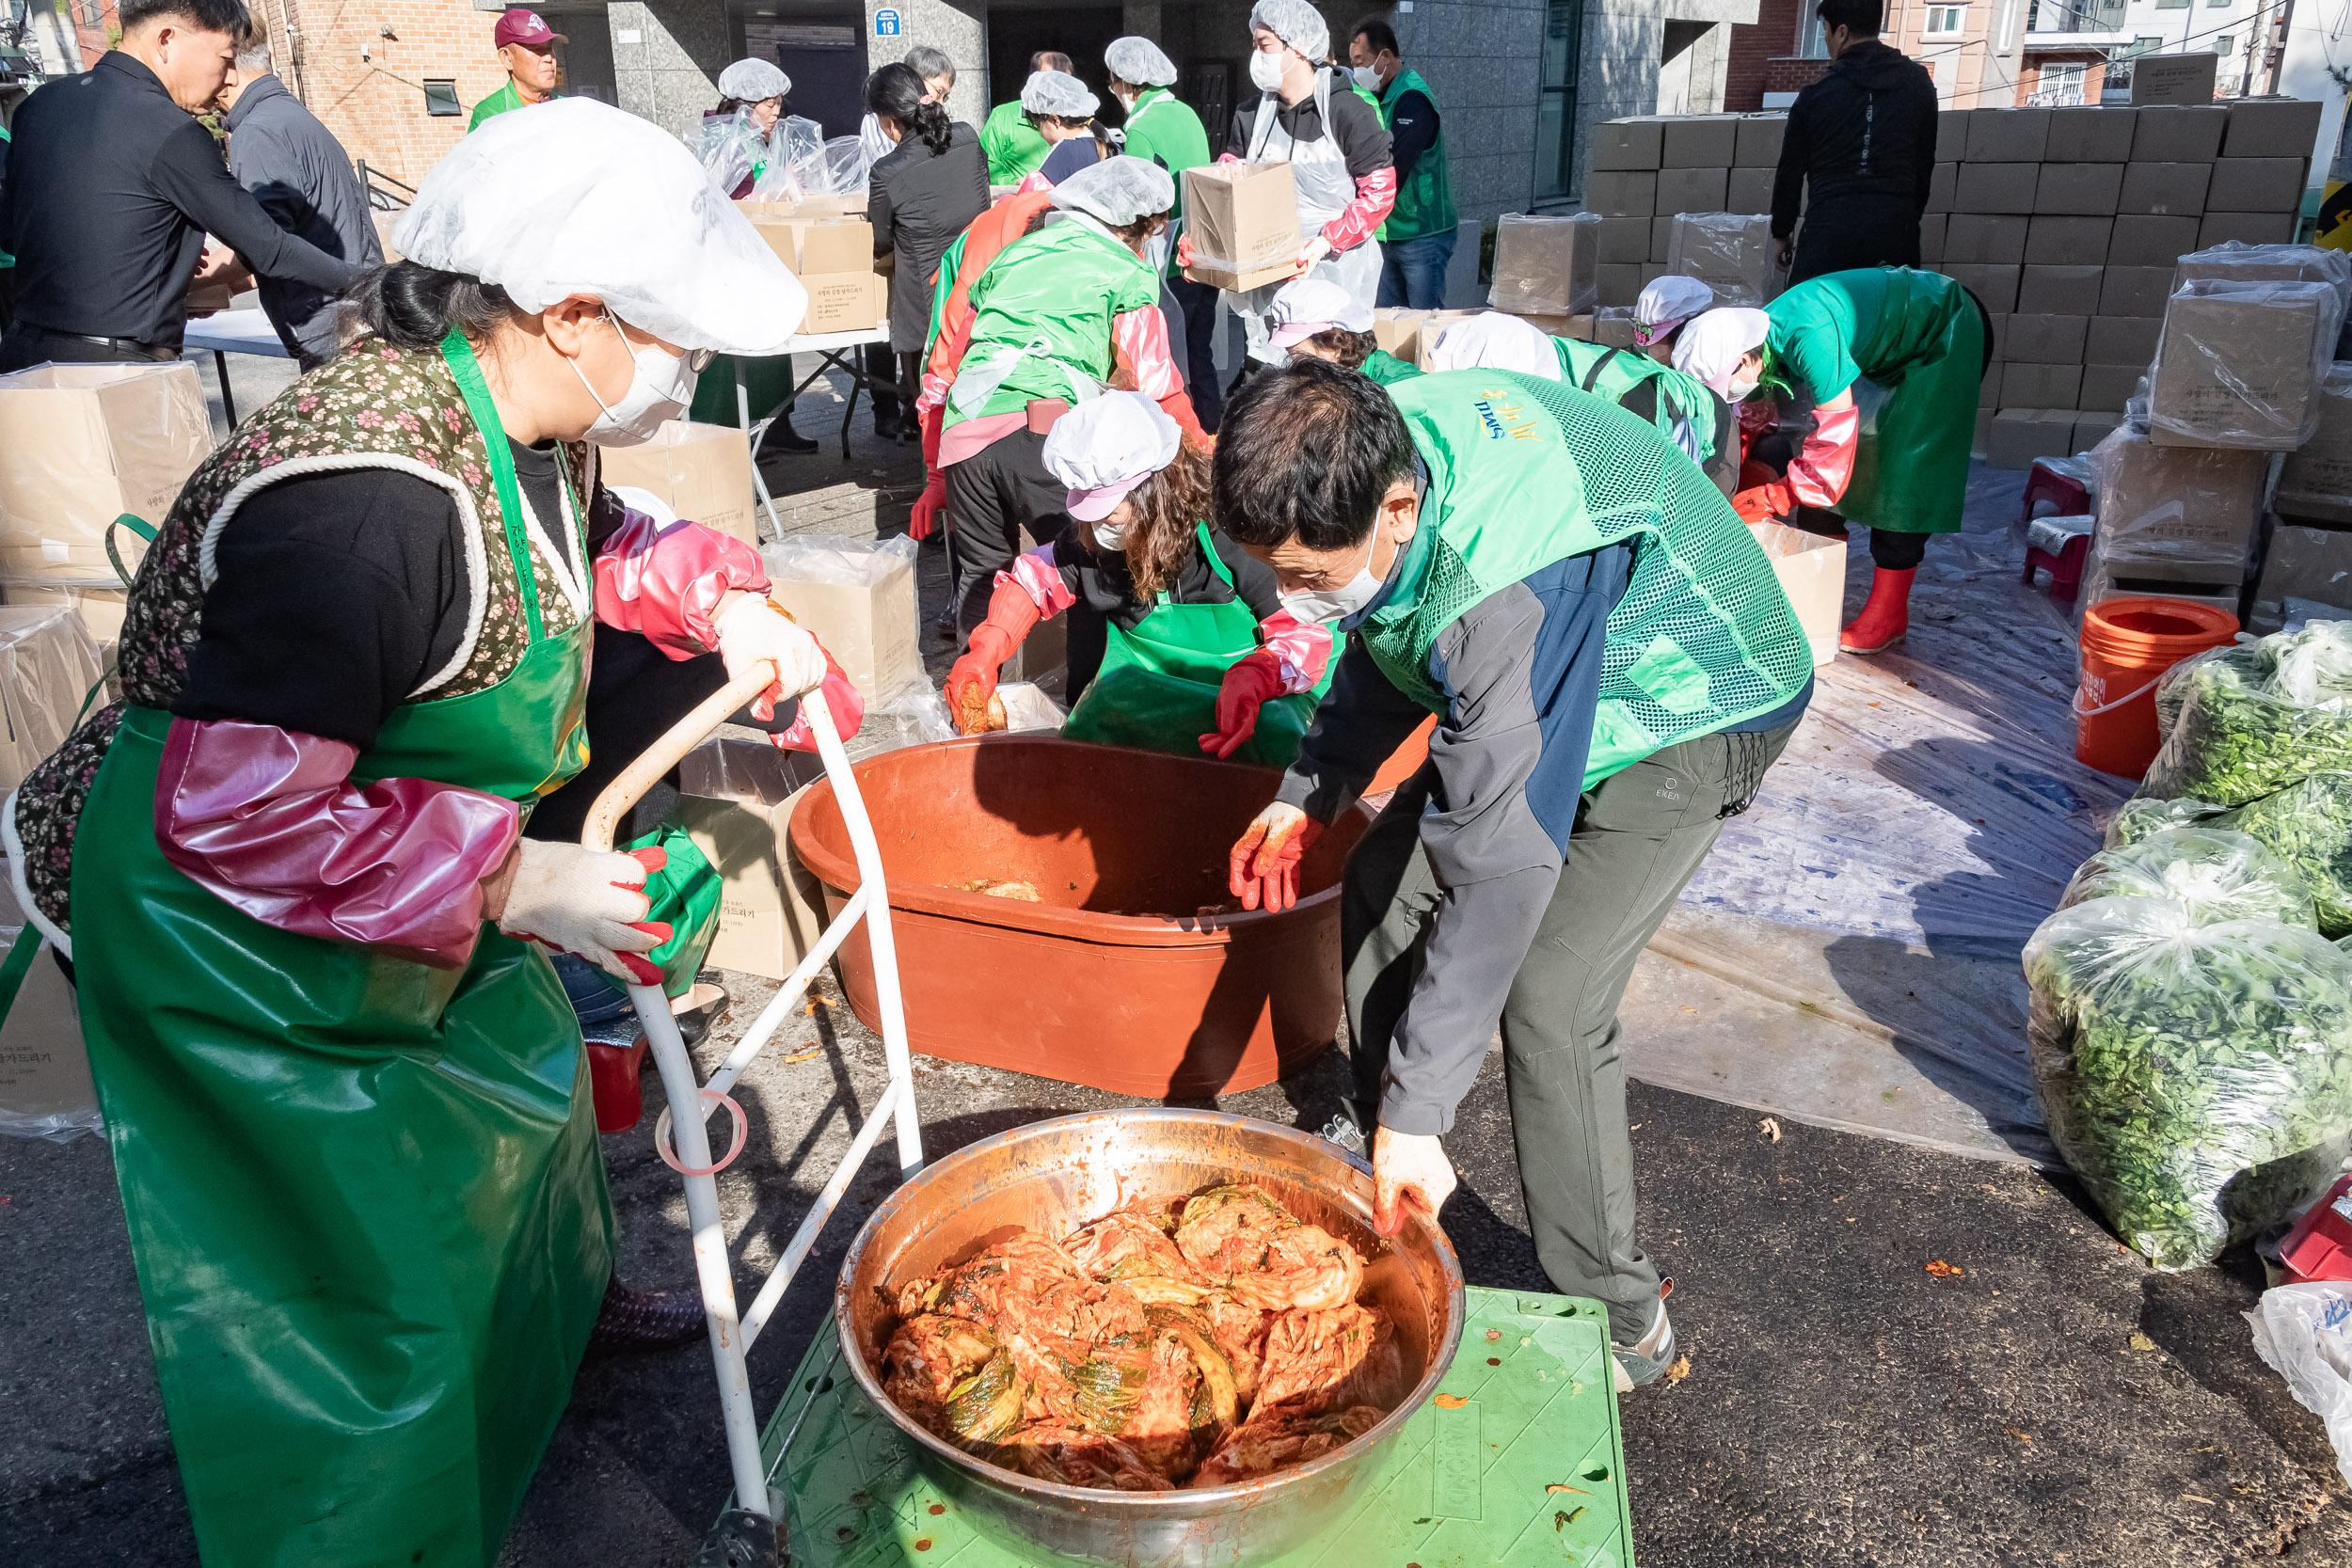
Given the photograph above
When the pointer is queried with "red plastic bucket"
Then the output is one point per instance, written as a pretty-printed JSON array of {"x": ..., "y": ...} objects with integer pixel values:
[{"x": 2127, "y": 645}]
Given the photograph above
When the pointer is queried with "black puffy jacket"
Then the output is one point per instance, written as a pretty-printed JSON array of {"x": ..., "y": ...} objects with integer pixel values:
[{"x": 1863, "y": 135}]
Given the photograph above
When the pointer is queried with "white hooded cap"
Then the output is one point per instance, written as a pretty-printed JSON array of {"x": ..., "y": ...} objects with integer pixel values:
[
  {"x": 1057, "y": 93},
  {"x": 1297, "y": 23},
  {"x": 1497, "y": 342},
  {"x": 576, "y": 196},
  {"x": 1666, "y": 304},
  {"x": 1103, "y": 449},
  {"x": 753, "y": 80},
  {"x": 1118, "y": 190},
  {"x": 1139, "y": 62},
  {"x": 1712, "y": 345},
  {"x": 1306, "y": 305}
]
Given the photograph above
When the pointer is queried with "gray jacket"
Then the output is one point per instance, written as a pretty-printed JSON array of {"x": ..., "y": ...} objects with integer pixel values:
[{"x": 296, "y": 168}]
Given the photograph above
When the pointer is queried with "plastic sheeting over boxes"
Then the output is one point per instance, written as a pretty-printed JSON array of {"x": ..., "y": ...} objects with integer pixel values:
[
  {"x": 1732, "y": 253},
  {"x": 79, "y": 446},
  {"x": 1547, "y": 266},
  {"x": 859, "y": 601},
  {"x": 2241, "y": 364},
  {"x": 2189, "y": 509},
  {"x": 48, "y": 666},
  {"x": 2317, "y": 478}
]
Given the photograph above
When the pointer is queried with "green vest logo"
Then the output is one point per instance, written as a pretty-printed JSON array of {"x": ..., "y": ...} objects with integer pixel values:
[{"x": 1507, "y": 422}]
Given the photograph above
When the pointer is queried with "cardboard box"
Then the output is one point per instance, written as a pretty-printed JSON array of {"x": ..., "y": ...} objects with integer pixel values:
[
  {"x": 859, "y": 601},
  {"x": 2315, "y": 481},
  {"x": 2134, "y": 290},
  {"x": 1758, "y": 140},
  {"x": 1625, "y": 239},
  {"x": 1613, "y": 326},
  {"x": 1749, "y": 190},
  {"x": 1998, "y": 320},
  {"x": 2180, "y": 135},
  {"x": 2274, "y": 264},
  {"x": 1661, "y": 238},
  {"x": 1397, "y": 330},
  {"x": 1636, "y": 143},
  {"x": 1812, "y": 572},
  {"x": 1700, "y": 141},
  {"x": 2109, "y": 386},
  {"x": 1244, "y": 223},
  {"x": 2174, "y": 78},
  {"x": 2093, "y": 134},
  {"x": 2007, "y": 136},
  {"x": 1989, "y": 387},
  {"x": 2180, "y": 509},
  {"x": 1931, "y": 230},
  {"x": 2018, "y": 435},
  {"x": 833, "y": 259},
  {"x": 2143, "y": 240},
  {"x": 1434, "y": 324},
  {"x": 2245, "y": 228},
  {"x": 46, "y": 1088},
  {"x": 2042, "y": 340},
  {"x": 1995, "y": 287},
  {"x": 2056, "y": 241},
  {"x": 102, "y": 608},
  {"x": 2087, "y": 189},
  {"x": 1545, "y": 266},
  {"x": 1951, "y": 136},
  {"x": 48, "y": 666},
  {"x": 2123, "y": 340},
  {"x": 1983, "y": 437},
  {"x": 2271, "y": 128},
  {"x": 2059, "y": 291},
  {"x": 2174, "y": 190},
  {"x": 2256, "y": 185},
  {"x": 2302, "y": 567},
  {"x": 79, "y": 446},
  {"x": 1995, "y": 187},
  {"x": 1627, "y": 194},
  {"x": 1942, "y": 180},
  {"x": 736, "y": 801},
  {"x": 1692, "y": 190},
  {"x": 2091, "y": 429},
  {"x": 701, "y": 472},
  {"x": 1620, "y": 283},
  {"x": 1985, "y": 239},
  {"x": 2241, "y": 364},
  {"x": 2028, "y": 386},
  {"x": 1732, "y": 253}
]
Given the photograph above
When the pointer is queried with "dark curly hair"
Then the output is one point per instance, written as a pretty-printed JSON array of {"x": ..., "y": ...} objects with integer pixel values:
[
  {"x": 1349, "y": 350},
  {"x": 1168, "y": 509}
]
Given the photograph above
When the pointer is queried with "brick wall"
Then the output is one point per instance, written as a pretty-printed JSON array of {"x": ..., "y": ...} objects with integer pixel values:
[
  {"x": 1792, "y": 75},
  {"x": 1752, "y": 48},
  {"x": 375, "y": 107}
]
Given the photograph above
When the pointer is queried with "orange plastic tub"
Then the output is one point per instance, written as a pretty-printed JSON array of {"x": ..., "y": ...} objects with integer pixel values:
[
  {"x": 1114, "y": 981},
  {"x": 2127, "y": 645}
]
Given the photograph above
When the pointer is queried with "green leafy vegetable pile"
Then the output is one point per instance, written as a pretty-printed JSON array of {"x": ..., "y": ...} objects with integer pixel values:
[
  {"x": 2141, "y": 816},
  {"x": 2198, "y": 1077},
  {"x": 2218, "y": 874},
  {"x": 2255, "y": 718},
  {"x": 2308, "y": 824}
]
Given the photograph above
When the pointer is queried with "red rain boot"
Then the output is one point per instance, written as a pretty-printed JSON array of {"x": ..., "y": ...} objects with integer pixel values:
[
  {"x": 613, "y": 1079},
  {"x": 1884, "y": 618}
]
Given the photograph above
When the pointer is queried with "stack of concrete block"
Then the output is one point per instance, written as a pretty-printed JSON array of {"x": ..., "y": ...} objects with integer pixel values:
[{"x": 1648, "y": 169}]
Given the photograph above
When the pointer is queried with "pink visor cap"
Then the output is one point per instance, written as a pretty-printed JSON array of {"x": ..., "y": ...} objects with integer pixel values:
[{"x": 1092, "y": 506}]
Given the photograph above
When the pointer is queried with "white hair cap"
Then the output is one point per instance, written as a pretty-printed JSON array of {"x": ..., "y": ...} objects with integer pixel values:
[
  {"x": 1118, "y": 190},
  {"x": 1666, "y": 304},
  {"x": 1057, "y": 92},
  {"x": 1306, "y": 305},
  {"x": 752, "y": 81},
  {"x": 1712, "y": 345},
  {"x": 1103, "y": 449},
  {"x": 1497, "y": 342},
  {"x": 580, "y": 198},
  {"x": 1140, "y": 61},
  {"x": 1297, "y": 23}
]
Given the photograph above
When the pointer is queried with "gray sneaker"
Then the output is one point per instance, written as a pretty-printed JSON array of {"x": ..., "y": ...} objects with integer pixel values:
[
  {"x": 1341, "y": 1131},
  {"x": 1645, "y": 1360}
]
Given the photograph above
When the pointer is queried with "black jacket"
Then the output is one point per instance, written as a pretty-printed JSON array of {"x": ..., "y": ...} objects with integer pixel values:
[
  {"x": 918, "y": 202},
  {"x": 296, "y": 168},
  {"x": 1864, "y": 138}
]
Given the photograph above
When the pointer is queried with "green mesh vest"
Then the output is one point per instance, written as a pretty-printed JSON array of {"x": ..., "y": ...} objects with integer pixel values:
[
  {"x": 1042, "y": 317},
  {"x": 1612, "y": 372},
  {"x": 1524, "y": 474}
]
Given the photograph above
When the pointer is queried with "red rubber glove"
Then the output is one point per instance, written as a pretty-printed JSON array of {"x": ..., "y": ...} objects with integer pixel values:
[
  {"x": 1183, "y": 248},
  {"x": 843, "y": 702},
  {"x": 932, "y": 502},
  {"x": 1263, "y": 871},
  {"x": 1765, "y": 503},
  {"x": 1249, "y": 684},
  {"x": 973, "y": 680}
]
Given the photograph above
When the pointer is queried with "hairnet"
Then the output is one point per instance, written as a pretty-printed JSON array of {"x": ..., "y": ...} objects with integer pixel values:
[
  {"x": 1666, "y": 304},
  {"x": 578, "y": 197},
  {"x": 1056, "y": 92},
  {"x": 1306, "y": 305},
  {"x": 1297, "y": 23},
  {"x": 1714, "y": 343},
  {"x": 1118, "y": 190},
  {"x": 1498, "y": 342},
  {"x": 1103, "y": 449},
  {"x": 1140, "y": 61},
  {"x": 753, "y": 80}
]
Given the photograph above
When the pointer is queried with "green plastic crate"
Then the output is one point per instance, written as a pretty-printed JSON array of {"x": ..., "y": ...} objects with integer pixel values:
[{"x": 1465, "y": 1488}]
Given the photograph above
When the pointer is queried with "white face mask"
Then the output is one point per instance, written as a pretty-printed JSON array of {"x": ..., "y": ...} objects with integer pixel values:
[
  {"x": 1314, "y": 605},
  {"x": 1111, "y": 536},
  {"x": 1740, "y": 386},
  {"x": 1266, "y": 70},
  {"x": 1366, "y": 78},
  {"x": 660, "y": 389}
]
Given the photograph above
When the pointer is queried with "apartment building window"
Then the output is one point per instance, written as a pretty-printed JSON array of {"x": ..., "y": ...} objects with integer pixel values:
[
  {"x": 440, "y": 98},
  {"x": 1555, "y": 119},
  {"x": 1945, "y": 21},
  {"x": 2060, "y": 86},
  {"x": 2172, "y": 5},
  {"x": 91, "y": 15},
  {"x": 2225, "y": 44}
]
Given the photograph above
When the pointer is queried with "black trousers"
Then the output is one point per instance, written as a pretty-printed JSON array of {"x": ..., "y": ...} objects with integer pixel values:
[
  {"x": 1198, "y": 349},
  {"x": 994, "y": 496},
  {"x": 1847, "y": 236},
  {"x": 34, "y": 345},
  {"x": 889, "y": 412}
]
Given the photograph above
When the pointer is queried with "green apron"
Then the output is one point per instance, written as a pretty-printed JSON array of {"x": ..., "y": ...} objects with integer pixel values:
[
  {"x": 1158, "y": 685},
  {"x": 685, "y": 897},
  {"x": 364, "y": 1194}
]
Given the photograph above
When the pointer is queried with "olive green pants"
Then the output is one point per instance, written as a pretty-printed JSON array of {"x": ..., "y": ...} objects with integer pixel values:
[{"x": 1639, "y": 835}]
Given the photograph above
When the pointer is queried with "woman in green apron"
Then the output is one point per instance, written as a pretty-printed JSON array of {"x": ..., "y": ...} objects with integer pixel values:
[
  {"x": 1889, "y": 360},
  {"x": 346, "y": 1098},
  {"x": 1315, "y": 319},
  {"x": 1177, "y": 637}
]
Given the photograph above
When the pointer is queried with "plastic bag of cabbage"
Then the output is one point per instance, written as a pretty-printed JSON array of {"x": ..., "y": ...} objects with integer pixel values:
[
  {"x": 2254, "y": 718},
  {"x": 2198, "y": 1077},
  {"x": 2218, "y": 874},
  {"x": 2309, "y": 826}
]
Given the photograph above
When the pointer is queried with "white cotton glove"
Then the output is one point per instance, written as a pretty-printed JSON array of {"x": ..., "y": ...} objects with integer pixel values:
[
  {"x": 1407, "y": 1167},
  {"x": 752, "y": 630},
  {"x": 581, "y": 901}
]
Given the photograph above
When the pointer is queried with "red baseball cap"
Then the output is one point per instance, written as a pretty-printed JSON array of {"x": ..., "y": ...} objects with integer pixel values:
[{"x": 521, "y": 26}]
